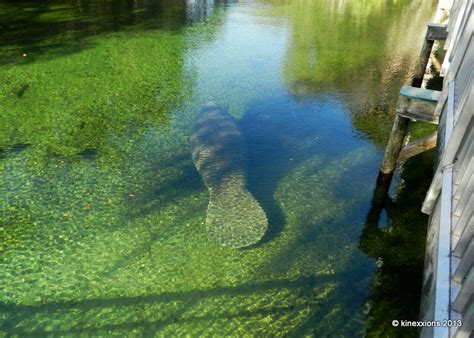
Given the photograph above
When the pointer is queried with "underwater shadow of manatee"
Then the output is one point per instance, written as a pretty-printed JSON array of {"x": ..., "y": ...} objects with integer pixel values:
[{"x": 271, "y": 157}]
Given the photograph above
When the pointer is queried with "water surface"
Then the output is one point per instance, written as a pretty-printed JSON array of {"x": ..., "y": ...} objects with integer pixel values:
[{"x": 102, "y": 208}]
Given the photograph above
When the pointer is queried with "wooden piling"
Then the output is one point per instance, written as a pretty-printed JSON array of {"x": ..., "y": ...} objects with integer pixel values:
[
  {"x": 422, "y": 63},
  {"x": 434, "y": 32},
  {"x": 384, "y": 178},
  {"x": 395, "y": 144},
  {"x": 412, "y": 104}
]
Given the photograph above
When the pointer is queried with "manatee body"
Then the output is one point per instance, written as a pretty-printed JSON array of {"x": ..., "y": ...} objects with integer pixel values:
[{"x": 234, "y": 218}]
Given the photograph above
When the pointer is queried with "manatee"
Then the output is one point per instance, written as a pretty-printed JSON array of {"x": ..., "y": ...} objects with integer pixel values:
[{"x": 219, "y": 150}]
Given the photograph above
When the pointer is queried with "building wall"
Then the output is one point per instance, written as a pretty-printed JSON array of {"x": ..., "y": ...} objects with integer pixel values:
[{"x": 449, "y": 272}]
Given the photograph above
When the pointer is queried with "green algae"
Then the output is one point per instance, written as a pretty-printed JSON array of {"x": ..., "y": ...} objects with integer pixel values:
[
  {"x": 71, "y": 102},
  {"x": 400, "y": 246},
  {"x": 103, "y": 215},
  {"x": 78, "y": 269}
]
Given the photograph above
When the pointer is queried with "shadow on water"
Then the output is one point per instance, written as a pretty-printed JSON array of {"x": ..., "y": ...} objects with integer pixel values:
[
  {"x": 281, "y": 135},
  {"x": 57, "y": 28},
  {"x": 12, "y": 150},
  {"x": 401, "y": 248},
  {"x": 344, "y": 298},
  {"x": 157, "y": 196},
  {"x": 311, "y": 307},
  {"x": 22, "y": 313},
  {"x": 266, "y": 150},
  {"x": 22, "y": 319}
]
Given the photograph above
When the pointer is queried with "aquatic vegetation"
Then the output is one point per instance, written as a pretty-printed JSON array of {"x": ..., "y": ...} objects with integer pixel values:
[
  {"x": 400, "y": 246},
  {"x": 77, "y": 103},
  {"x": 103, "y": 213},
  {"x": 77, "y": 263}
]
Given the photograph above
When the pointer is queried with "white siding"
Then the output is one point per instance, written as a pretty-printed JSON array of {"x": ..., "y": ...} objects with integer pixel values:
[{"x": 449, "y": 272}]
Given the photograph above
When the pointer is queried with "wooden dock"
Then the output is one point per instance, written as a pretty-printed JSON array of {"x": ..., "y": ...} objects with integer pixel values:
[
  {"x": 414, "y": 104},
  {"x": 448, "y": 288}
]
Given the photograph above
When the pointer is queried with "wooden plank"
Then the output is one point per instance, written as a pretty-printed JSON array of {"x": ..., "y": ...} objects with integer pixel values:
[
  {"x": 456, "y": 20},
  {"x": 442, "y": 101},
  {"x": 423, "y": 94},
  {"x": 436, "y": 31},
  {"x": 418, "y": 146},
  {"x": 465, "y": 263},
  {"x": 466, "y": 177},
  {"x": 463, "y": 125},
  {"x": 463, "y": 219},
  {"x": 451, "y": 110},
  {"x": 417, "y": 109},
  {"x": 465, "y": 161},
  {"x": 459, "y": 47},
  {"x": 462, "y": 298},
  {"x": 464, "y": 75},
  {"x": 467, "y": 327},
  {"x": 466, "y": 232},
  {"x": 463, "y": 195}
]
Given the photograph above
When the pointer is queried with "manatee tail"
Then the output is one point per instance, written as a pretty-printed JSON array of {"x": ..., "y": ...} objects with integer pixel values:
[{"x": 234, "y": 217}]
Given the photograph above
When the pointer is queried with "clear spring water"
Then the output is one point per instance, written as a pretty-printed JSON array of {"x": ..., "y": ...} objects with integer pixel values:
[{"x": 102, "y": 210}]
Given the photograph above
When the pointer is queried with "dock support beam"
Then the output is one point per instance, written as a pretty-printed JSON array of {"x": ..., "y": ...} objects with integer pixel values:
[
  {"x": 392, "y": 151},
  {"x": 413, "y": 104},
  {"x": 395, "y": 144},
  {"x": 419, "y": 146},
  {"x": 400, "y": 125},
  {"x": 434, "y": 32},
  {"x": 422, "y": 63}
]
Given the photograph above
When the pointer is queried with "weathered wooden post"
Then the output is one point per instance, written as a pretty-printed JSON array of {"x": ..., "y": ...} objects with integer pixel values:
[
  {"x": 412, "y": 104},
  {"x": 395, "y": 144},
  {"x": 400, "y": 125},
  {"x": 422, "y": 63},
  {"x": 433, "y": 33}
]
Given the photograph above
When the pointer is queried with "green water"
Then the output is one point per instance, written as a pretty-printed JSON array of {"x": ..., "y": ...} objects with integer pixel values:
[{"x": 102, "y": 210}]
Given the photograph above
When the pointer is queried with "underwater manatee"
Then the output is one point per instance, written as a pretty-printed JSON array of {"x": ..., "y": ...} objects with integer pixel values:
[{"x": 234, "y": 218}]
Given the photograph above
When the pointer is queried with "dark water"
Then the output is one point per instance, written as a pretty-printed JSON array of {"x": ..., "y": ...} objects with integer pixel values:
[{"x": 102, "y": 213}]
